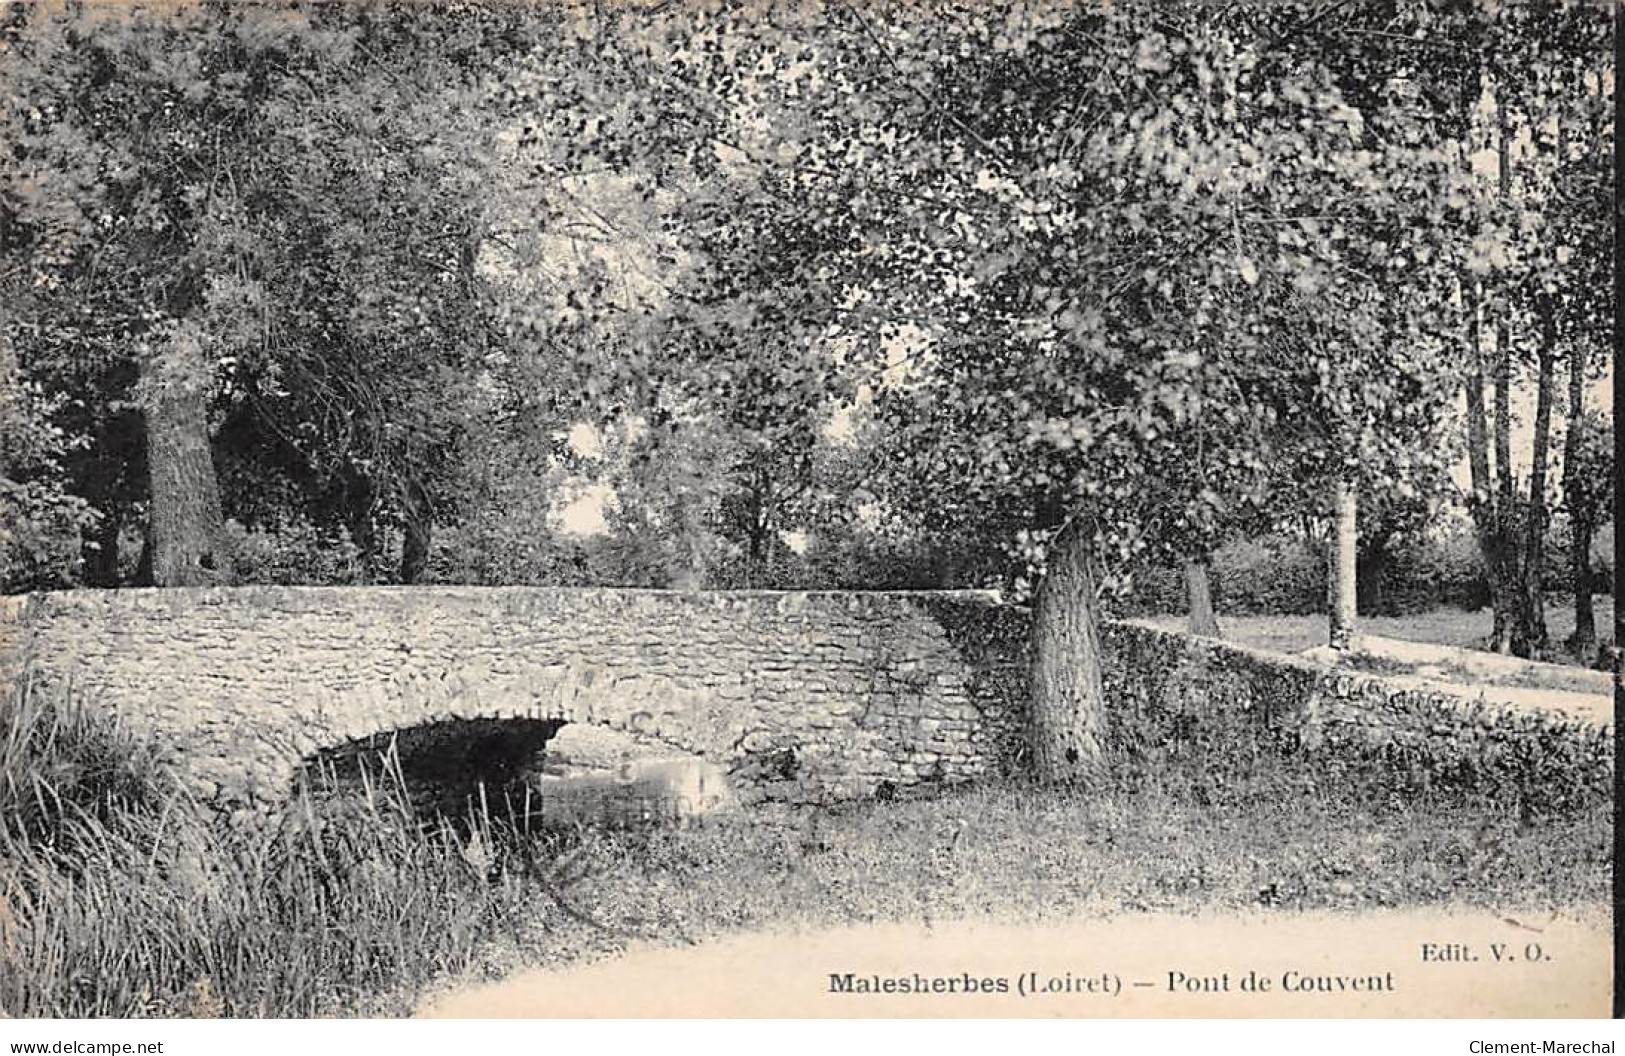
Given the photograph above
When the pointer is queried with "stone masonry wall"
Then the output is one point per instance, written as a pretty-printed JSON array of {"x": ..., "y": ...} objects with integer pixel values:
[
  {"x": 802, "y": 697},
  {"x": 798, "y": 696}
]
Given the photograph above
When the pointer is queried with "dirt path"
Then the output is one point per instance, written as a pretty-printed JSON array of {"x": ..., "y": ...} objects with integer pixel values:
[{"x": 1366, "y": 964}]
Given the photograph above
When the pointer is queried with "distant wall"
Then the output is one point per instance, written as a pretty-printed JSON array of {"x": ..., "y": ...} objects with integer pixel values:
[
  {"x": 1170, "y": 689},
  {"x": 797, "y": 696}
]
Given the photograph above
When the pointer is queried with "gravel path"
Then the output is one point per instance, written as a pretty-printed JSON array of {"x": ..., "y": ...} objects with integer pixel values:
[{"x": 1323, "y": 964}]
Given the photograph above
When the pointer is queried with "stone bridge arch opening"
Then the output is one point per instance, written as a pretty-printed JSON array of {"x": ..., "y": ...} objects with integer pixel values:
[
  {"x": 446, "y": 767},
  {"x": 532, "y": 772}
]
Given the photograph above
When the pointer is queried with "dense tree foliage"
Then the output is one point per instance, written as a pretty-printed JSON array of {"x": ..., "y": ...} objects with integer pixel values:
[
  {"x": 822, "y": 292},
  {"x": 245, "y": 223}
]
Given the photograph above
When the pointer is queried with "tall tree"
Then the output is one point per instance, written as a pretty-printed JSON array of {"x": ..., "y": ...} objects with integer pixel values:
[
  {"x": 1543, "y": 82},
  {"x": 1059, "y": 225},
  {"x": 117, "y": 144},
  {"x": 1037, "y": 194},
  {"x": 260, "y": 220}
]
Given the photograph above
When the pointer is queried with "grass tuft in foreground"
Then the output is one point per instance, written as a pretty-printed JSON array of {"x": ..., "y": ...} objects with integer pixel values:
[{"x": 115, "y": 900}]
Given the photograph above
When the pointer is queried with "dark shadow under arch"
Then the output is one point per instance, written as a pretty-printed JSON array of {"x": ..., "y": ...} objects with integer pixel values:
[{"x": 447, "y": 768}]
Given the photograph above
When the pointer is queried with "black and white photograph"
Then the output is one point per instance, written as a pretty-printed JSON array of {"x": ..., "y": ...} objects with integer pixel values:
[{"x": 807, "y": 509}]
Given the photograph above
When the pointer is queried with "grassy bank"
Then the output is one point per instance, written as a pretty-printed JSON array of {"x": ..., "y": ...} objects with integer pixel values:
[
  {"x": 110, "y": 905},
  {"x": 1022, "y": 855},
  {"x": 116, "y": 901}
]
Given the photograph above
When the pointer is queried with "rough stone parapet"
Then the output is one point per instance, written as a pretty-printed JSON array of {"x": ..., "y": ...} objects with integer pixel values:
[
  {"x": 806, "y": 696},
  {"x": 1158, "y": 680},
  {"x": 793, "y": 696}
]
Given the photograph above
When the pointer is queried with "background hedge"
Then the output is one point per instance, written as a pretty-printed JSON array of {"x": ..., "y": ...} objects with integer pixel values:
[{"x": 1286, "y": 575}]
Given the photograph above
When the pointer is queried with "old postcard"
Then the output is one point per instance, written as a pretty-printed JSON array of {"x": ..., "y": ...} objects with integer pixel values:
[{"x": 810, "y": 509}]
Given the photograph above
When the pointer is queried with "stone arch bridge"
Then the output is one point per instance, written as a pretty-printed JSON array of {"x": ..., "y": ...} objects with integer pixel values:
[{"x": 802, "y": 696}]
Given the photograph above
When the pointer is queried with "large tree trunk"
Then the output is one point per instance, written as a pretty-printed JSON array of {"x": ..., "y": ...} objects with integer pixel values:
[
  {"x": 1067, "y": 722},
  {"x": 1199, "y": 595},
  {"x": 185, "y": 522},
  {"x": 1341, "y": 566},
  {"x": 1530, "y": 639}
]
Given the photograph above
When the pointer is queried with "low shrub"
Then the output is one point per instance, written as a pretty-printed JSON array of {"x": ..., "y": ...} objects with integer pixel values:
[
  {"x": 1602, "y": 554},
  {"x": 1558, "y": 572},
  {"x": 1286, "y": 576},
  {"x": 1269, "y": 576},
  {"x": 1444, "y": 570},
  {"x": 40, "y": 539},
  {"x": 42, "y": 523},
  {"x": 293, "y": 552}
]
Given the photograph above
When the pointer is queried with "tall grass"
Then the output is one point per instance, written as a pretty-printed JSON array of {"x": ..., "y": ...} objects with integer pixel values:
[{"x": 119, "y": 898}]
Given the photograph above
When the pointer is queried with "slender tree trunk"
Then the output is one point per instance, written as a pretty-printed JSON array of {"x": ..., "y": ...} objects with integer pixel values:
[
  {"x": 1583, "y": 642},
  {"x": 688, "y": 571},
  {"x": 143, "y": 562},
  {"x": 1485, "y": 504},
  {"x": 1341, "y": 565},
  {"x": 1067, "y": 721},
  {"x": 1199, "y": 595},
  {"x": 1506, "y": 582},
  {"x": 1198, "y": 580},
  {"x": 756, "y": 535},
  {"x": 1531, "y": 638},
  {"x": 755, "y": 547},
  {"x": 101, "y": 565},
  {"x": 1370, "y": 573},
  {"x": 1506, "y": 489},
  {"x": 417, "y": 515},
  {"x": 185, "y": 520},
  {"x": 360, "y": 496}
]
